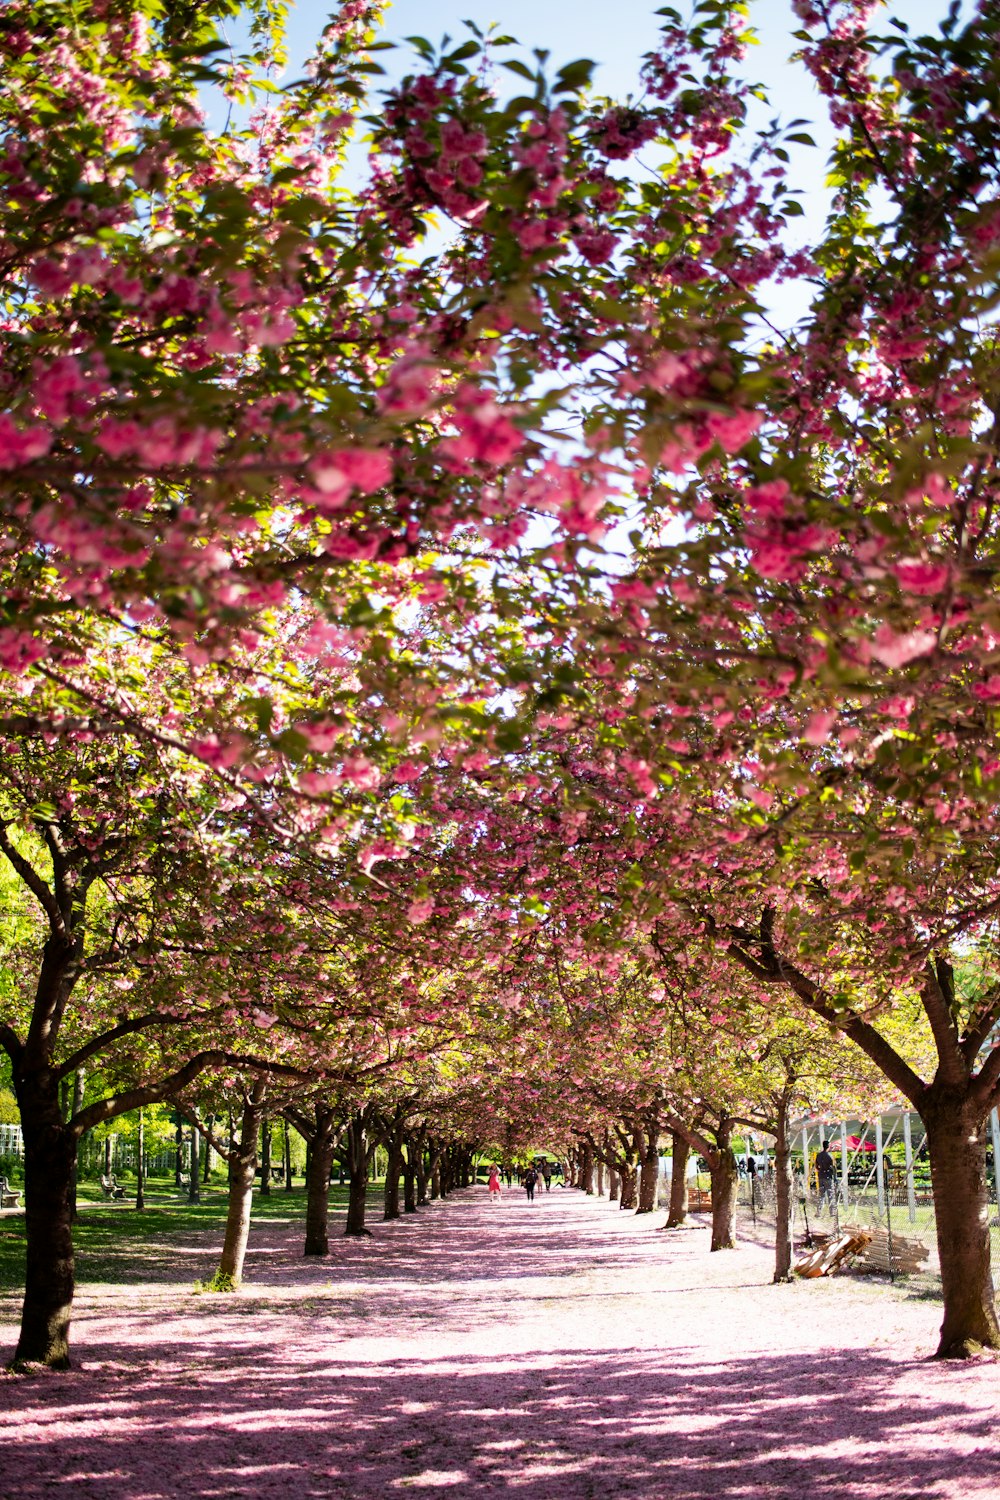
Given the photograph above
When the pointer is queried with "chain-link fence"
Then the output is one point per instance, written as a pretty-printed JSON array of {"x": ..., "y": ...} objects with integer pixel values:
[{"x": 898, "y": 1235}]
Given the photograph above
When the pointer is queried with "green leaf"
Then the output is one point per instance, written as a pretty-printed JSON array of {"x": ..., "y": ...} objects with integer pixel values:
[{"x": 522, "y": 71}]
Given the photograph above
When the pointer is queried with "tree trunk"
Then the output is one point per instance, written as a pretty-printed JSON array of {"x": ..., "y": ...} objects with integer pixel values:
[
  {"x": 725, "y": 1185},
  {"x": 206, "y": 1161},
  {"x": 317, "y": 1240},
  {"x": 680, "y": 1151},
  {"x": 393, "y": 1171},
  {"x": 784, "y": 1198},
  {"x": 587, "y": 1169},
  {"x": 409, "y": 1182},
  {"x": 420, "y": 1167},
  {"x": 242, "y": 1175},
  {"x": 288, "y": 1158},
  {"x": 178, "y": 1152},
  {"x": 265, "y": 1157},
  {"x": 194, "y": 1168},
  {"x": 49, "y": 1162},
  {"x": 79, "y": 1079},
  {"x": 627, "y": 1198},
  {"x": 955, "y": 1140},
  {"x": 140, "y": 1166},
  {"x": 600, "y": 1178},
  {"x": 357, "y": 1165},
  {"x": 107, "y": 1154},
  {"x": 650, "y": 1173},
  {"x": 614, "y": 1186}
]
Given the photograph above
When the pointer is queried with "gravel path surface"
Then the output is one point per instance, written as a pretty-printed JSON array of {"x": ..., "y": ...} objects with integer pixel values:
[{"x": 552, "y": 1351}]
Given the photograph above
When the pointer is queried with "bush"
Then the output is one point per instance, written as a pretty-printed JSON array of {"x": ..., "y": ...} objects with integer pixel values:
[{"x": 11, "y": 1167}]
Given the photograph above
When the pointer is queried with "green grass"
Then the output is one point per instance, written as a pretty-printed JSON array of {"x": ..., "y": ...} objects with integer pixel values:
[{"x": 117, "y": 1245}]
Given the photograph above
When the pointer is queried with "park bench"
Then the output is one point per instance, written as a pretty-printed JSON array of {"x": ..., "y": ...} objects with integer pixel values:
[
  {"x": 110, "y": 1188},
  {"x": 9, "y": 1197}
]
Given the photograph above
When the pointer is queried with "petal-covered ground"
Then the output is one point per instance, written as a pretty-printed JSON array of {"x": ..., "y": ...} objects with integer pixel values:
[{"x": 552, "y": 1351}]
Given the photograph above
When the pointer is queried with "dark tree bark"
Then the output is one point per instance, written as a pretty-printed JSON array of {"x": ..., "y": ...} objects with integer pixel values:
[
  {"x": 194, "y": 1168},
  {"x": 49, "y": 1162},
  {"x": 393, "y": 1173},
  {"x": 79, "y": 1080},
  {"x": 783, "y": 1196},
  {"x": 434, "y": 1150},
  {"x": 409, "y": 1180},
  {"x": 680, "y": 1152},
  {"x": 287, "y": 1142},
  {"x": 358, "y": 1157},
  {"x": 627, "y": 1195},
  {"x": 420, "y": 1167},
  {"x": 587, "y": 1169},
  {"x": 650, "y": 1170},
  {"x": 265, "y": 1157},
  {"x": 725, "y": 1186},
  {"x": 140, "y": 1165},
  {"x": 242, "y": 1176},
  {"x": 614, "y": 1185},
  {"x": 955, "y": 1140},
  {"x": 321, "y": 1132},
  {"x": 322, "y": 1147}
]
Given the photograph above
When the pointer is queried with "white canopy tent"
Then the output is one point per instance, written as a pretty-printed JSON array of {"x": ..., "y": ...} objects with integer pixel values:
[{"x": 892, "y": 1124}]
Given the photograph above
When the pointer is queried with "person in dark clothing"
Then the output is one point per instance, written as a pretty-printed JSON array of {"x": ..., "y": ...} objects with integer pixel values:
[
  {"x": 529, "y": 1179},
  {"x": 826, "y": 1174}
]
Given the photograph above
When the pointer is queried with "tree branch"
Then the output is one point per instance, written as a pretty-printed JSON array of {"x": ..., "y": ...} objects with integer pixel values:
[
  {"x": 124, "y": 1028},
  {"x": 36, "y": 885},
  {"x": 10, "y": 1042}
]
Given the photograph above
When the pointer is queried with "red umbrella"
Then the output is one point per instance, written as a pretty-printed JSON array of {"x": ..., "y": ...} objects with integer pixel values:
[{"x": 854, "y": 1143}]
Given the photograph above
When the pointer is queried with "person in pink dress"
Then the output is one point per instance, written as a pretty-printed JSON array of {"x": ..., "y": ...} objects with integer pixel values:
[{"x": 494, "y": 1185}]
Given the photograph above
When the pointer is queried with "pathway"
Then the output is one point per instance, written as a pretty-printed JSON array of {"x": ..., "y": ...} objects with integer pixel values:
[{"x": 560, "y": 1351}]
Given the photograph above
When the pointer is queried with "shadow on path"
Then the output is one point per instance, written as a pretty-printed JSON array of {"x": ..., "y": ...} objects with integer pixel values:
[{"x": 559, "y": 1353}]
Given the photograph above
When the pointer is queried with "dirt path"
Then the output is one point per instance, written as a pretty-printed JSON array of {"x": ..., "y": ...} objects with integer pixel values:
[{"x": 557, "y": 1351}]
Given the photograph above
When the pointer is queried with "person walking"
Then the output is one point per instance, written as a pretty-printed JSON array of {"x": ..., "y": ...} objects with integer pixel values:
[
  {"x": 530, "y": 1178},
  {"x": 494, "y": 1185},
  {"x": 826, "y": 1174},
  {"x": 547, "y": 1176}
]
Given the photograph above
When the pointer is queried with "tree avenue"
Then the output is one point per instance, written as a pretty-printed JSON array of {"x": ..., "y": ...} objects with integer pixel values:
[{"x": 473, "y": 674}]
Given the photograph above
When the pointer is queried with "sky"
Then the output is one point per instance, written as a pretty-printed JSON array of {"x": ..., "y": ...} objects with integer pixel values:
[{"x": 616, "y": 36}]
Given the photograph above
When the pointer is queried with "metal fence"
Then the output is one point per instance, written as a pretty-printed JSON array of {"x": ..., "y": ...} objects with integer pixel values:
[{"x": 900, "y": 1220}]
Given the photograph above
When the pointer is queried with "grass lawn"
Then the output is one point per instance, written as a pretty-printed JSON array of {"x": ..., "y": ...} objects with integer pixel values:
[{"x": 117, "y": 1245}]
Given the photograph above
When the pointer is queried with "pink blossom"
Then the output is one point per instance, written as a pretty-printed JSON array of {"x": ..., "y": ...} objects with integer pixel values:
[
  {"x": 19, "y": 445},
  {"x": 407, "y": 770},
  {"x": 894, "y": 650},
  {"x": 364, "y": 469},
  {"x": 817, "y": 730},
  {"x": 731, "y": 430},
  {"x": 917, "y": 576}
]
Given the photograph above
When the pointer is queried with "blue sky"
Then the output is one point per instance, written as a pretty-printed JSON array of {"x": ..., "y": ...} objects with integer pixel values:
[{"x": 615, "y": 35}]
